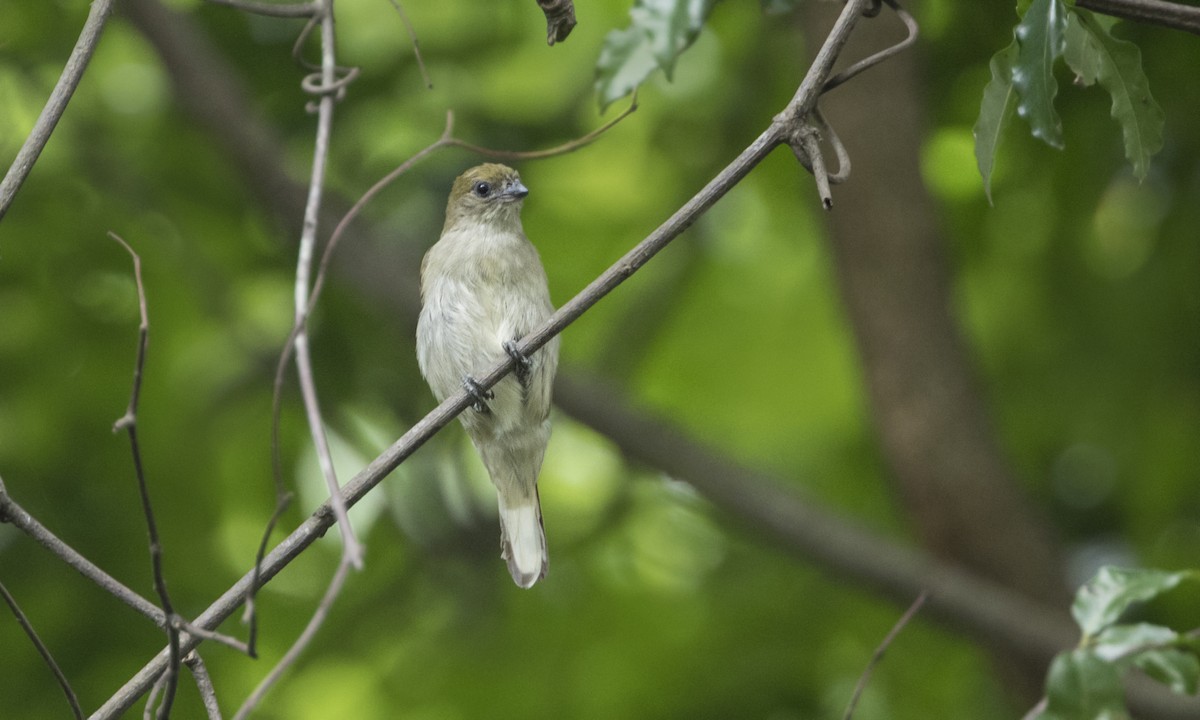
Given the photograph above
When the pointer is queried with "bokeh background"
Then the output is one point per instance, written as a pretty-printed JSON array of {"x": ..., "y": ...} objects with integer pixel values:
[{"x": 1075, "y": 297}]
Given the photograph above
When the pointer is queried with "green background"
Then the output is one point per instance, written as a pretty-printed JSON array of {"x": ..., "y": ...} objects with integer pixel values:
[{"x": 1077, "y": 292}]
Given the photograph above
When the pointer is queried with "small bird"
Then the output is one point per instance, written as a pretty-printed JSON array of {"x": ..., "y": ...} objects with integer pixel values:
[{"x": 482, "y": 289}]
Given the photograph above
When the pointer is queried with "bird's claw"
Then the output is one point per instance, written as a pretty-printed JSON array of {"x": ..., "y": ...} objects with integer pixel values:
[
  {"x": 481, "y": 396},
  {"x": 523, "y": 363}
]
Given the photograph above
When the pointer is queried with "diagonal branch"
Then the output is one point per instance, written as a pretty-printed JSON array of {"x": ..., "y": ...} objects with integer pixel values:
[
  {"x": 19, "y": 517},
  {"x": 56, "y": 105},
  {"x": 44, "y": 651}
]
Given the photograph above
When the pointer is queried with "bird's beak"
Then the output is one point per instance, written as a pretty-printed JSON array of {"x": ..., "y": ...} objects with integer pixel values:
[{"x": 516, "y": 191}]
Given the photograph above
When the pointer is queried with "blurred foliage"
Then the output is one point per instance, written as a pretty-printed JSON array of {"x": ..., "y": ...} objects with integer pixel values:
[{"x": 1077, "y": 291}]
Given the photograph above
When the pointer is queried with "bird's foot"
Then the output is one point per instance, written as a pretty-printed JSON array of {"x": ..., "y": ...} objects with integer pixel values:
[
  {"x": 481, "y": 396},
  {"x": 523, "y": 363}
]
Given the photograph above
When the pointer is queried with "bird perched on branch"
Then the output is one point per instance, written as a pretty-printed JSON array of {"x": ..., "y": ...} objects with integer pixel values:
[{"x": 482, "y": 289}]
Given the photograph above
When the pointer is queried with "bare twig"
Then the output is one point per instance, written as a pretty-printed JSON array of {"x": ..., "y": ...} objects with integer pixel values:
[
  {"x": 56, "y": 105},
  {"x": 43, "y": 651},
  {"x": 18, "y": 517},
  {"x": 221, "y": 638},
  {"x": 878, "y": 654},
  {"x": 412, "y": 36},
  {"x": 308, "y": 239},
  {"x": 910, "y": 24},
  {"x": 279, "y": 10},
  {"x": 128, "y": 422},
  {"x": 208, "y": 694},
  {"x": 1155, "y": 12},
  {"x": 293, "y": 653}
]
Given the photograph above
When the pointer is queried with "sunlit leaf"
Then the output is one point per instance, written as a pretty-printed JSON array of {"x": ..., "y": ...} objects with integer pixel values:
[
  {"x": 1040, "y": 42},
  {"x": 659, "y": 31},
  {"x": 1102, "y": 600},
  {"x": 1097, "y": 56},
  {"x": 995, "y": 112}
]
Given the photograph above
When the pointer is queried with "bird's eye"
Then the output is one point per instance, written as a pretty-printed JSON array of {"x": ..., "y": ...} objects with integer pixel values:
[{"x": 482, "y": 189}]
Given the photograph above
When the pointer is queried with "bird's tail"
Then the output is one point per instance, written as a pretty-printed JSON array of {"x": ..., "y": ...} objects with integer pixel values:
[{"x": 522, "y": 539}]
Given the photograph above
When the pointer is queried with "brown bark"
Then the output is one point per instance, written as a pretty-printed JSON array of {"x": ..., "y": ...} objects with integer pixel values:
[{"x": 937, "y": 438}]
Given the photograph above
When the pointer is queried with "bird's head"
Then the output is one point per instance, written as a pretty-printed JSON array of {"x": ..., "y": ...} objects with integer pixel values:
[{"x": 489, "y": 193}]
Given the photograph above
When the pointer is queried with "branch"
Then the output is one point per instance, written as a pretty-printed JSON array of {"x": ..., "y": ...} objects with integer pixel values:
[
  {"x": 879, "y": 651},
  {"x": 18, "y": 517},
  {"x": 56, "y": 105},
  {"x": 1176, "y": 16},
  {"x": 208, "y": 694},
  {"x": 43, "y": 651},
  {"x": 328, "y": 88},
  {"x": 128, "y": 422}
]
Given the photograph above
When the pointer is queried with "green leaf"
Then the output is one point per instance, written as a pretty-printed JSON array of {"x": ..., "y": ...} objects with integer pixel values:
[
  {"x": 995, "y": 112},
  {"x": 1102, "y": 600},
  {"x": 1081, "y": 686},
  {"x": 1040, "y": 42},
  {"x": 1121, "y": 641},
  {"x": 659, "y": 32},
  {"x": 1097, "y": 56},
  {"x": 1172, "y": 667},
  {"x": 625, "y": 61}
]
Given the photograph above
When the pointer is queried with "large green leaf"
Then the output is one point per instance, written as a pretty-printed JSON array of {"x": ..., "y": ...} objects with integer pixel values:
[
  {"x": 659, "y": 31},
  {"x": 1102, "y": 600},
  {"x": 1040, "y": 43},
  {"x": 1081, "y": 686},
  {"x": 995, "y": 112},
  {"x": 1096, "y": 56}
]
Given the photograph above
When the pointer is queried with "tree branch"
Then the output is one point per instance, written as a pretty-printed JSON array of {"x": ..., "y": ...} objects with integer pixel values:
[
  {"x": 44, "y": 651},
  {"x": 1176, "y": 16},
  {"x": 128, "y": 422},
  {"x": 18, "y": 517},
  {"x": 56, "y": 105}
]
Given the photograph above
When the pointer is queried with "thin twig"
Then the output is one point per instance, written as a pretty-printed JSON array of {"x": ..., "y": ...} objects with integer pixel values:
[
  {"x": 208, "y": 694},
  {"x": 910, "y": 24},
  {"x": 220, "y": 638},
  {"x": 308, "y": 239},
  {"x": 128, "y": 422},
  {"x": 416, "y": 46},
  {"x": 302, "y": 642},
  {"x": 43, "y": 651},
  {"x": 863, "y": 679},
  {"x": 279, "y": 10},
  {"x": 56, "y": 105}
]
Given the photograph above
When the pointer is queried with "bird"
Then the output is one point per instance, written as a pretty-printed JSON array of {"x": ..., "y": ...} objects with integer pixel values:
[{"x": 483, "y": 288}]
